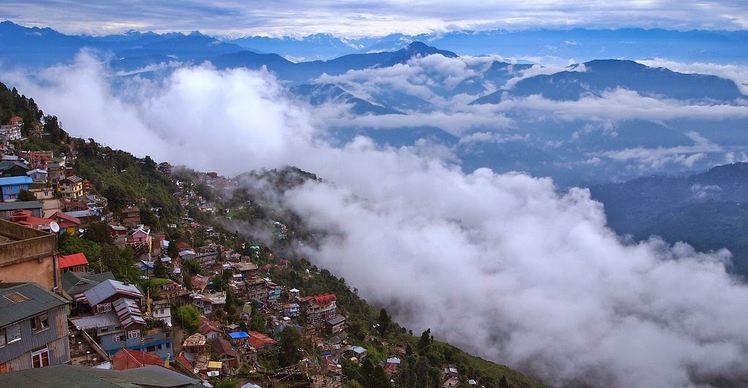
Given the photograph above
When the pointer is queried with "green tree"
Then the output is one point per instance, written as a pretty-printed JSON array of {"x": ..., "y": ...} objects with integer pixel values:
[
  {"x": 226, "y": 383},
  {"x": 384, "y": 322},
  {"x": 148, "y": 217},
  {"x": 172, "y": 250},
  {"x": 424, "y": 341},
  {"x": 25, "y": 195},
  {"x": 98, "y": 232},
  {"x": 159, "y": 269},
  {"x": 189, "y": 316},
  {"x": 503, "y": 383},
  {"x": 73, "y": 244},
  {"x": 258, "y": 322},
  {"x": 290, "y": 342},
  {"x": 117, "y": 197},
  {"x": 373, "y": 376},
  {"x": 231, "y": 304}
]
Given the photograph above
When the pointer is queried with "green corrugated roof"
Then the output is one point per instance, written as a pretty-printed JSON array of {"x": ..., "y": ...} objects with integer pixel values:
[
  {"x": 38, "y": 301},
  {"x": 75, "y": 283},
  {"x": 20, "y": 205},
  {"x": 64, "y": 376}
]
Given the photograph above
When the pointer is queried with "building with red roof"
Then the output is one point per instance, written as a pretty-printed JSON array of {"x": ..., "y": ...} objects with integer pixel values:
[
  {"x": 24, "y": 217},
  {"x": 259, "y": 340},
  {"x": 66, "y": 222},
  {"x": 77, "y": 262},
  {"x": 130, "y": 359},
  {"x": 320, "y": 308}
]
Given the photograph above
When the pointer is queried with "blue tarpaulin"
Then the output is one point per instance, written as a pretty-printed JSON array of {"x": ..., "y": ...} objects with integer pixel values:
[{"x": 238, "y": 335}]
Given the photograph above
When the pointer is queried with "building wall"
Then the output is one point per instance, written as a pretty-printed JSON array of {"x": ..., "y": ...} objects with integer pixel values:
[
  {"x": 29, "y": 259},
  {"x": 159, "y": 343},
  {"x": 17, "y": 356},
  {"x": 50, "y": 207}
]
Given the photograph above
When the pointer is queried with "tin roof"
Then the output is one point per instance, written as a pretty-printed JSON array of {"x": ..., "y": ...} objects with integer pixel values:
[
  {"x": 74, "y": 376},
  {"x": 16, "y": 180},
  {"x": 108, "y": 288},
  {"x": 19, "y": 301},
  {"x": 73, "y": 260}
]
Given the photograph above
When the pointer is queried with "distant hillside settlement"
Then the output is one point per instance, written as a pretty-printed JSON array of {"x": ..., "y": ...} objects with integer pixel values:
[{"x": 96, "y": 274}]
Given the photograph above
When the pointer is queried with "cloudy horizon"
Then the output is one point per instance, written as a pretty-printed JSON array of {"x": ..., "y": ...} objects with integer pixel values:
[
  {"x": 418, "y": 235},
  {"x": 359, "y": 19}
]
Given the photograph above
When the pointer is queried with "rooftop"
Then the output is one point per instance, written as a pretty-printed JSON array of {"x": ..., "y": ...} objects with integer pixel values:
[
  {"x": 322, "y": 299},
  {"x": 238, "y": 335},
  {"x": 74, "y": 283},
  {"x": 73, "y": 260},
  {"x": 222, "y": 347},
  {"x": 96, "y": 321},
  {"x": 16, "y": 180},
  {"x": 196, "y": 339},
  {"x": 129, "y": 359},
  {"x": 259, "y": 340},
  {"x": 338, "y": 319},
  {"x": 19, "y": 301},
  {"x": 73, "y": 376},
  {"x": 110, "y": 287},
  {"x": 20, "y": 205}
]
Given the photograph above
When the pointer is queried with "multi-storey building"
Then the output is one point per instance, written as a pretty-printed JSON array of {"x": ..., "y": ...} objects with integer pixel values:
[{"x": 33, "y": 327}]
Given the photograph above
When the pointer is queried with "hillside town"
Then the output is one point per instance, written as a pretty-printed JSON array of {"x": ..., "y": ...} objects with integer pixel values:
[{"x": 91, "y": 281}]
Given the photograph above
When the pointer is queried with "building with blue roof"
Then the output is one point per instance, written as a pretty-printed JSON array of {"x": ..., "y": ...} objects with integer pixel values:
[
  {"x": 12, "y": 185},
  {"x": 238, "y": 335}
]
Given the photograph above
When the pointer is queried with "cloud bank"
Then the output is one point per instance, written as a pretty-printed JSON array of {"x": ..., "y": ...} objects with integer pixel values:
[
  {"x": 501, "y": 264},
  {"x": 233, "y": 17}
]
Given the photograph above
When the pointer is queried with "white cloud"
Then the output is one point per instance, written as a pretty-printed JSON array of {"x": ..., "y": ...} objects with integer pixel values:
[
  {"x": 655, "y": 158},
  {"x": 352, "y": 19},
  {"x": 502, "y": 265}
]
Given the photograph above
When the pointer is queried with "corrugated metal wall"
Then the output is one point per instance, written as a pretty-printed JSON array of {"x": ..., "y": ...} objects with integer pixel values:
[{"x": 57, "y": 331}]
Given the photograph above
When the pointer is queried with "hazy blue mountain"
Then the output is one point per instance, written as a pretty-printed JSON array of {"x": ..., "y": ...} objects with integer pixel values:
[
  {"x": 597, "y": 76},
  {"x": 579, "y": 43},
  {"x": 318, "y": 94},
  {"x": 304, "y": 71},
  {"x": 192, "y": 46},
  {"x": 501, "y": 72},
  {"x": 708, "y": 210},
  {"x": 35, "y": 46},
  {"x": 311, "y": 47}
]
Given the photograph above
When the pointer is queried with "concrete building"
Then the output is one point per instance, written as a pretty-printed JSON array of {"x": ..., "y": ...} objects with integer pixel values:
[
  {"x": 28, "y": 255},
  {"x": 11, "y": 186},
  {"x": 72, "y": 187}
]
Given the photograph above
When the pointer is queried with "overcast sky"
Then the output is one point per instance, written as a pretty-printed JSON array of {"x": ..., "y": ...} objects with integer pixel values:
[{"x": 369, "y": 18}]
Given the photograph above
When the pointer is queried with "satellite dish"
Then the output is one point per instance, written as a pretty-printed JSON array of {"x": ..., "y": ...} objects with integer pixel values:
[{"x": 54, "y": 227}]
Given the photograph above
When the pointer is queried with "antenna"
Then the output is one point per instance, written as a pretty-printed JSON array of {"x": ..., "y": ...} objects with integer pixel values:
[{"x": 54, "y": 227}]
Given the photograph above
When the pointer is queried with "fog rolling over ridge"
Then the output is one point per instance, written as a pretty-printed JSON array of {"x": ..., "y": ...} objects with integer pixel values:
[{"x": 502, "y": 264}]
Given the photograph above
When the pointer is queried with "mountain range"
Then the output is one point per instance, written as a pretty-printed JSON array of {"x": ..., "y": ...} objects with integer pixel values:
[
  {"x": 709, "y": 210},
  {"x": 597, "y": 121}
]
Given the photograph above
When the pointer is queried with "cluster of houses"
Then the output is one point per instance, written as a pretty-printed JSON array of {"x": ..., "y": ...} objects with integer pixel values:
[
  {"x": 59, "y": 310},
  {"x": 48, "y": 195}
]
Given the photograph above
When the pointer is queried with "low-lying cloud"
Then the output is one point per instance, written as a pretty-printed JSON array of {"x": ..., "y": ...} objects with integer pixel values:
[{"x": 501, "y": 264}]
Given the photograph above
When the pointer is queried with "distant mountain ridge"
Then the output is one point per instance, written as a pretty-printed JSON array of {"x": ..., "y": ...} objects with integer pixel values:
[
  {"x": 595, "y": 77},
  {"x": 428, "y": 92},
  {"x": 708, "y": 210}
]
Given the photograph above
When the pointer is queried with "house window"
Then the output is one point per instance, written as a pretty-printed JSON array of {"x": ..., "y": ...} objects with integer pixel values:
[
  {"x": 10, "y": 334},
  {"x": 117, "y": 338},
  {"x": 40, "y": 322},
  {"x": 133, "y": 334},
  {"x": 105, "y": 307},
  {"x": 40, "y": 358}
]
